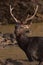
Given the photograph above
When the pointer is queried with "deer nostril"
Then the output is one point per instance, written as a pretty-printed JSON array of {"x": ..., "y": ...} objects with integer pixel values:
[{"x": 27, "y": 31}]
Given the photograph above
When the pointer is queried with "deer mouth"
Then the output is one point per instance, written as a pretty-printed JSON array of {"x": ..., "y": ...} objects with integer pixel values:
[{"x": 27, "y": 31}]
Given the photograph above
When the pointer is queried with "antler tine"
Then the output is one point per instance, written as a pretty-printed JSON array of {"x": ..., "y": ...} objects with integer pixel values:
[
  {"x": 13, "y": 15},
  {"x": 11, "y": 8},
  {"x": 27, "y": 19}
]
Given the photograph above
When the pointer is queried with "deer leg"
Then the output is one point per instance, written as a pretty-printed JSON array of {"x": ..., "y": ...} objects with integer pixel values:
[
  {"x": 29, "y": 56},
  {"x": 39, "y": 63},
  {"x": 30, "y": 59}
]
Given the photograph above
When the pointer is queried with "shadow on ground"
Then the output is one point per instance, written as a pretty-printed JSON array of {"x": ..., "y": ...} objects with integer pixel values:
[{"x": 10, "y": 61}]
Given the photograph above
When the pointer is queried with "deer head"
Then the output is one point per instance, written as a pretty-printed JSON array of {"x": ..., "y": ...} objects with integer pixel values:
[{"x": 20, "y": 28}]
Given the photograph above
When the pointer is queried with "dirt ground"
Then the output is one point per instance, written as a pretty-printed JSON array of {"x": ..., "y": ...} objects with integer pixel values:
[{"x": 15, "y": 54}]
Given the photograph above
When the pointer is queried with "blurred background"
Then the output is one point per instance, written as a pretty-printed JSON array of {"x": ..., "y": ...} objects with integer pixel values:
[{"x": 21, "y": 9}]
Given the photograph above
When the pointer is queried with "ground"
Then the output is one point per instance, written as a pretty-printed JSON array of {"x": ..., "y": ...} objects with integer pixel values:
[{"x": 16, "y": 54}]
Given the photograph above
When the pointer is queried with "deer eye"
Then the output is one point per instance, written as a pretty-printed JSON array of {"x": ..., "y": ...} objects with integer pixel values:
[{"x": 21, "y": 27}]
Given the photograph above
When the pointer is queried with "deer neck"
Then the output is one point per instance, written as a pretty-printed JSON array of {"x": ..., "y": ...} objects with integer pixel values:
[{"x": 21, "y": 37}]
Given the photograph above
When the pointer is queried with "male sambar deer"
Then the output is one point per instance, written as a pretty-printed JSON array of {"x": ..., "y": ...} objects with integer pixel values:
[{"x": 32, "y": 46}]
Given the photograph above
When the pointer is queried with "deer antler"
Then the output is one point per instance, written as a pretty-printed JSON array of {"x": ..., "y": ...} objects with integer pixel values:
[
  {"x": 27, "y": 19},
  {"x": 11, "y": 9}
]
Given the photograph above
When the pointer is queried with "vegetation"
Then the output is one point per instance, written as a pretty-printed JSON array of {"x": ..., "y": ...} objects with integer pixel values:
[{"x": 21, "y": 9}]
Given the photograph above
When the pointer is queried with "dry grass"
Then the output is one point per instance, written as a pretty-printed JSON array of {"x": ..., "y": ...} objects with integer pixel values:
[
  {"x": 12, "y": 52},
  {"x": 36, "y": 29},
  {"x": 17, "y": 54},
  {"x": 7, "y": 28}
]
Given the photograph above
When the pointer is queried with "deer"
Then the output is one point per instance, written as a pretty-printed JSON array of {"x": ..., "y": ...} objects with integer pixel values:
[{"x": 32, "y": 46}]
